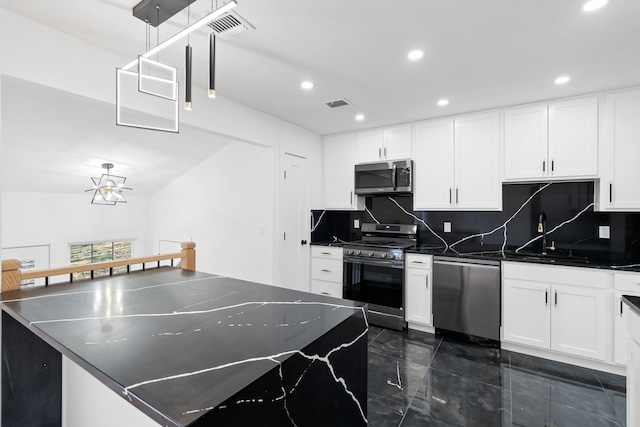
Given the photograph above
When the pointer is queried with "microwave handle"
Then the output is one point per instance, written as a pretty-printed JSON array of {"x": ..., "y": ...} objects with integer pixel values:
[{"x": 394, "y": 176}]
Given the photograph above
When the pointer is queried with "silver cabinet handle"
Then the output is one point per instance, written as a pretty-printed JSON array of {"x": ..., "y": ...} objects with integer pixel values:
[
  {"x": 546, "y": 297},
  {"x": 326, "y": 253},
  {"x": 325, "y": 293},
  {"x": 544, "y": 166},
  {"x": 326, "y": 271},
  {"x": 417, "y": 262},
  {"x": 380, "y": 153},
  {"x": 556, "y": 297},
  {"x": 620, "y": 307},
  {"x": 456, "y": 195},
  {"x": 385, "y": 152},
  {"x": 552, "y": 165},
  {"x": 450, "y": 192},
  {"x": 426, "y": 281},
  {"x": 351, "y": 198}
]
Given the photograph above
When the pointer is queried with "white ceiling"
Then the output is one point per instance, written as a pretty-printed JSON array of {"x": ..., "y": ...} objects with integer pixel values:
[
  {"x": 478, "y": 54},
  {"x": 55, "y": 142}
]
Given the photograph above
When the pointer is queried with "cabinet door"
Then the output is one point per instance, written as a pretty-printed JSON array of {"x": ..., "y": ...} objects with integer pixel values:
[
  {"x": 397, "y": 143},
  {"x": 477, "y": 162},
  {"x": 578, "y": 321},
  {"x": 525, "y": 143},
  {"x": 418, "y": 296},
  {"x": 339, "y": 172},
  {"x": 573, "y": 138},
  {"x": 369, "y": 145},
  {"x": 526, "y": 317},
  {"x": 329, "y": 289},
  {"x": 621, "y": 311},
  {"x": 633, "y": 383},
  {"x": 620, "y": 148},
  {"x": 433, "y": 165}
]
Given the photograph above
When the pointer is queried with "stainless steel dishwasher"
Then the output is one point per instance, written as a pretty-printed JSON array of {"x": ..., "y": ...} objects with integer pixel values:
[{"x": 466, "y": 297}]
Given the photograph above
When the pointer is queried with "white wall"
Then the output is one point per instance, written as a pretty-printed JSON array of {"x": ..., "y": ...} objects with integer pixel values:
[
  {"x": 58, "y": 220},
  {"x": 226, "y": 205},
  {"x": 48, "y": 57}
]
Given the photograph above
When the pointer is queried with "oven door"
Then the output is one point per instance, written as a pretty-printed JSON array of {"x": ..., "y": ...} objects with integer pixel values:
[{"x": 380, "y": 284}]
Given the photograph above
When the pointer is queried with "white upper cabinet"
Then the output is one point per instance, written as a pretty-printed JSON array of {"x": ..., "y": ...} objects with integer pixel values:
[
  {"x": 433, "y": 175},
  {"x": 457, "y": 164},
  {"x": 339, "y": 172},
  {"x": 477, "y": 164},
  {"x": 383, "y": 144},
  {"x": 552, "y": 141},
  {"x": 525, "y": 147},
  {"x": 620, "y": 151}
]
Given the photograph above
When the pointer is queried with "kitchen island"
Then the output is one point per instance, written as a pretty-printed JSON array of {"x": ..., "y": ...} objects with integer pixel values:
[{"x": 185, "y": 349}]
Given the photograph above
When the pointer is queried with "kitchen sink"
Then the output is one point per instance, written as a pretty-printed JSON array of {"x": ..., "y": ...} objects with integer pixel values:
[{"x": 550, "y": 258}]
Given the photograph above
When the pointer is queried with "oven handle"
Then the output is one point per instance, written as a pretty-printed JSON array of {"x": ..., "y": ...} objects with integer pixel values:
[{"x": 399, "y": 264}]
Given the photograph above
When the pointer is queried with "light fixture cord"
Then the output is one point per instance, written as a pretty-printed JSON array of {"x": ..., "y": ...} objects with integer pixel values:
[{"x": 188, "y": 21}]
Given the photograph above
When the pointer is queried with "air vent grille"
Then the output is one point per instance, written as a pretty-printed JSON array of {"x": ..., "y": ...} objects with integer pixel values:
[
  {"x": 338, "y": 103},
  {"x": 229, "y": 25}
]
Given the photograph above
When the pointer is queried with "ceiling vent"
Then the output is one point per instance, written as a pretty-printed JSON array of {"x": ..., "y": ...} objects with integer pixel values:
[
  {"x": 338, "y": 103},
  {"x": 230, "y": 25}
]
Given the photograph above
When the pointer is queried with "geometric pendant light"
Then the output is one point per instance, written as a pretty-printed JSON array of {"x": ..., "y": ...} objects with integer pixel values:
[{"x": 108, "y": 189}]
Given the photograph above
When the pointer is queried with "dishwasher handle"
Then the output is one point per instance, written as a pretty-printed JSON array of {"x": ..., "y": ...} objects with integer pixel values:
[{"x": 469, "y": 263}]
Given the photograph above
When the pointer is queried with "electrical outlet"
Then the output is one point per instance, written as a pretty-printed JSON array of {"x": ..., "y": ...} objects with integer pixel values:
[
  {"x": 447, "y": 227},
  {"x": 356, "y": 223},
  {"x": 604, "y": 232}
]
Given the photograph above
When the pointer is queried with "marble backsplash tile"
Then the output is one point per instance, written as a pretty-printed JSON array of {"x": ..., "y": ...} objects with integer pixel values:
[{"x": 571, "y": 223}]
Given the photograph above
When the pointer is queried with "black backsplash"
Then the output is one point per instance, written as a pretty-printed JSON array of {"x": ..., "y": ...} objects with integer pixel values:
[{"x": 561, "y": 202}]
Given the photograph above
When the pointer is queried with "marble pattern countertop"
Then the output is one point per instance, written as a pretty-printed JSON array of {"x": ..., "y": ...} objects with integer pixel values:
[{"x": 157, "y": 336}]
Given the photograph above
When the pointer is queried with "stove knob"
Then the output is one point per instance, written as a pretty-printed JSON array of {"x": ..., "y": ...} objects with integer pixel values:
[
  {"x": 392, "y": 256},
  {"x": 350, "y": 252},
  {"x": 358, "y": 253},
  {"x": 384, "y": 255},
  {"x": 370, "y": 253}
]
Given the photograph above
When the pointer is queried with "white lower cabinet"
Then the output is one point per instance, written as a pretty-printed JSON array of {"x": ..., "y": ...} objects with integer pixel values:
[
  {"x": 563, "y": 310},
  {"x": 326, "y": 271},
  {"x": 418, "y": 289},
  {"x": 633, "y": 370},
  {"x": 625, "y": 284}
]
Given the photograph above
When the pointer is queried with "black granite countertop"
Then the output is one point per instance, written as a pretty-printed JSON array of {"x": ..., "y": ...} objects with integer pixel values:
[
  {"x": 158, "y": 336},
  {"x": 334, "y": 244},
  {"x": 529, "y": 257},
  {"x": 633, "y": 303}
]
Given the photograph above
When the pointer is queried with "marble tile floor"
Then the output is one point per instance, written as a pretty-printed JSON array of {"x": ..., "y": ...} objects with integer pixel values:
[{"x": 420, "y": 379}]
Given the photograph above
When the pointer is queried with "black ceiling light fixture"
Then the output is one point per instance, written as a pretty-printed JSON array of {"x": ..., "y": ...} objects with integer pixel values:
[{"x": 187, "y": 68}]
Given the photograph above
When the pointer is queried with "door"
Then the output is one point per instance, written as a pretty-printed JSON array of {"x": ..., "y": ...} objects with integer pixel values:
[
  {"x": 294, "y": 253},
  {"x": 525, "y": 142},
  {"x": 433, "y": 165},
  {"x": 418, "y": 296},
  {"x": 397, "y": 143},
  {"x": 369, "y": 146},
  {"x": 526, "y": 317},
  {"x": 573, "y": 138},
  {"x": 577, "y": 321},
  {"x": 338, "y": 171},
  {"x": 619, "y": 186},
  {"x": 477, "y": 165}
]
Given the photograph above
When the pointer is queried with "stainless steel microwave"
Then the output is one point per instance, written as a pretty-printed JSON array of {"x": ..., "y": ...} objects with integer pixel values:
[{"x": 384, "y": 177}]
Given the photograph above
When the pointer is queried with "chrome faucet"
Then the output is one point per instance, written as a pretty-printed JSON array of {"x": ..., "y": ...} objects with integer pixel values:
[{"x": 542, "y": 228}]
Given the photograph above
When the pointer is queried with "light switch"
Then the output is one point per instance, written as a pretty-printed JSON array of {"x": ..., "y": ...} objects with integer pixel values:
[
  {"x": 447, "y": 227},
  {"x": 356, "y": 223},
  {"x": 604, "y": 232}
]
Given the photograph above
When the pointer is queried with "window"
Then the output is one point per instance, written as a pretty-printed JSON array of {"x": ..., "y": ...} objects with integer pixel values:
[
  {"x": 26, "y": 265},
  {"x": 88, "y": 253}
]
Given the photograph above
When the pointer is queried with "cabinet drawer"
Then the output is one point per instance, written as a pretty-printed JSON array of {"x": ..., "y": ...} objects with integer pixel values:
[
  {"x": 326, "y": 252},
  {"x": 418, "y": 261},
  {"x": 330, "y": 289},
  {"x": 573, "y": 276},
  {"x": 627, "y": 282},
  {"x": 326, "y": 269}
]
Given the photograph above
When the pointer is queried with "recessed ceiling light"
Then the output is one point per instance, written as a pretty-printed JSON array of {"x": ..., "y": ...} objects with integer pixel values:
[
  {"x": 415, "y": 54},
  {"x": 443, "y": 102},
  {"x": 306, "y": 85},
  {"x": 593, "y": 5},
  {"x": 562, "y": 80},
  {"x": 360, "y": 117}
]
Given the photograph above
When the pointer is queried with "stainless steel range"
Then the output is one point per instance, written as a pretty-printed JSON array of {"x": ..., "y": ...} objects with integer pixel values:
[{"x": 374, "y": 271}]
